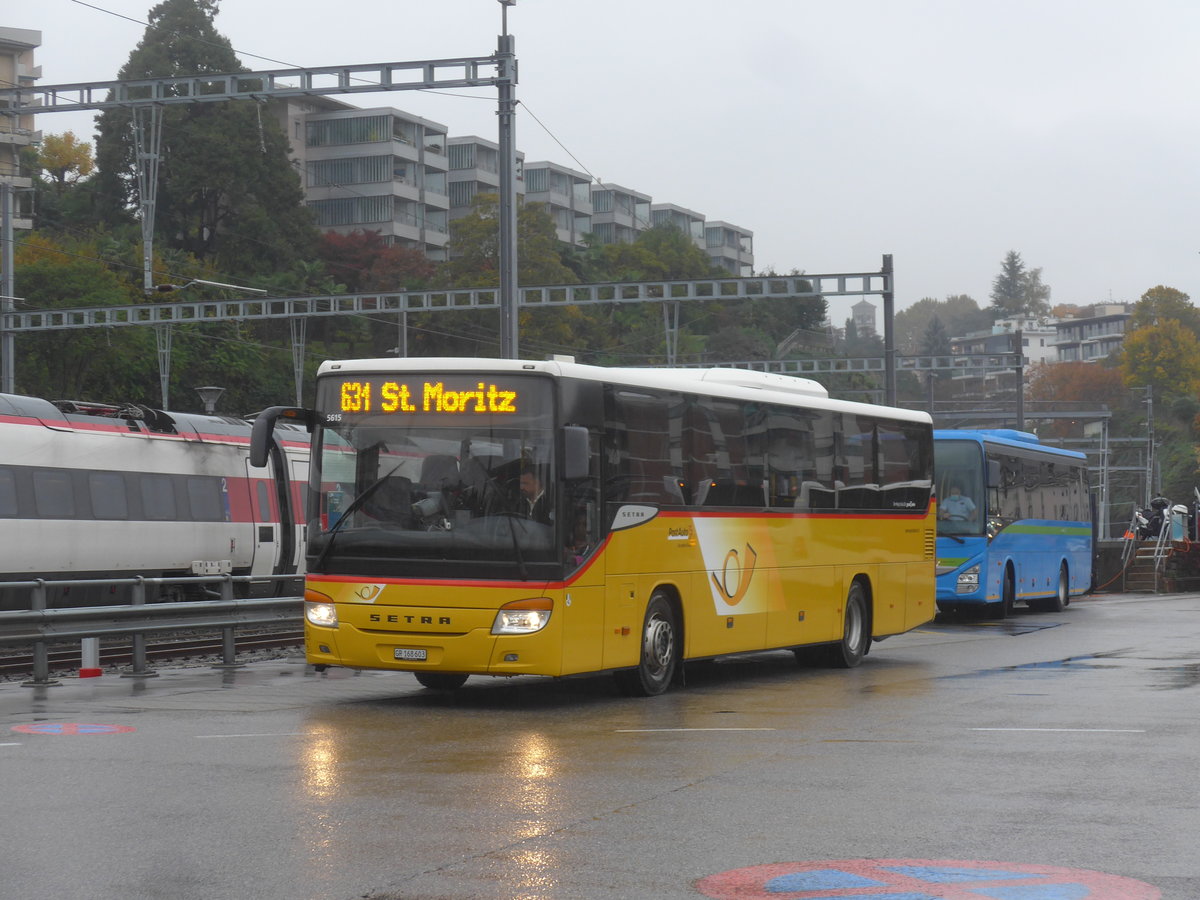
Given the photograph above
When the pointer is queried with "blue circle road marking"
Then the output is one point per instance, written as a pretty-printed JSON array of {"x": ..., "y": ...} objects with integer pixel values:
[
  {"x": 919, "y": 879},
  {"x": 72, "y": 728}
]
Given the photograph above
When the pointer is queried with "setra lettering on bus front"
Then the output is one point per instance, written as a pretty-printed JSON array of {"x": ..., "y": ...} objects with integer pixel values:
[{"x": 396, "y": 619}]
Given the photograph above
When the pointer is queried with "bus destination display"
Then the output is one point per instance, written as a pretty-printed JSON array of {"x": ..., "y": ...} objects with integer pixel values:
[{"x": 426, "y": 396}]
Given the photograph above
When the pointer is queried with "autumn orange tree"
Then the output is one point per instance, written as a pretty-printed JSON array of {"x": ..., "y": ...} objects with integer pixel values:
[{"x": 1079, "y": 385}]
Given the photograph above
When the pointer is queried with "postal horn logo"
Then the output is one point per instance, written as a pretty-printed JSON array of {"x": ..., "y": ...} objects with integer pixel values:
[{"x": 735, "y": 575}]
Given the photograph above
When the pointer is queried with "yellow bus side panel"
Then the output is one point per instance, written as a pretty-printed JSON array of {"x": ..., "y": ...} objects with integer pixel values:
[
  {"x": 890, "y": 589},
  {"x": 807, "y": 612},
  {"x": 583, "y": 619},
  {"x": 922, "y": 594},
  {"x": 744, "y": 582}
]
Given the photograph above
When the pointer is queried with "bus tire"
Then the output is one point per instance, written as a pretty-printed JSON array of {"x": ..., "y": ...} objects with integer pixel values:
[
  {"x": 856, "y": 631},
  {"x": 660, "y": 651},
  {"x": 441, "y": 681},
  {"x": 1062, "y": 592},
  {"x": 1008, "y": 595}
]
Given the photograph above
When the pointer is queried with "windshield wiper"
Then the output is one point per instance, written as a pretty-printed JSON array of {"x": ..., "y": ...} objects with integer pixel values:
[
  {"x": 512, "y": 533},
  {"x": 345, "y": 516}
]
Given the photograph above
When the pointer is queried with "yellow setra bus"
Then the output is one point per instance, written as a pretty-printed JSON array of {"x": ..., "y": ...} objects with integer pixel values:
[{"x": 508, "y": 517}]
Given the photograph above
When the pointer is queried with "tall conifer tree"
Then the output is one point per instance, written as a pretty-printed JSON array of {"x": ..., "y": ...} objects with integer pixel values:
[{"x": 226, "y": 190}]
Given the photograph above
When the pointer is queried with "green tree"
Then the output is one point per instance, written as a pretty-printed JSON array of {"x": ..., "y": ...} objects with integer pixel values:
[
  {"x": 1163, "y": 357},
  {"x": 64, "y": 159},
  {"x": 935, "y": 341},
  {"x": 475, "y": 247},
  {"x": 226, "y": 190},
  {"x": 1018, "y": 291},
  {"x": 97, "y": 364},
  {"x": 1164, "y": 304},
  {"x": 958, "y": 313}
]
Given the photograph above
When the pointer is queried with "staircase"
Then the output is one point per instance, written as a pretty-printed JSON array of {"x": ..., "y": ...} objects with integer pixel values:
[{"x": 1141, "y": 572}]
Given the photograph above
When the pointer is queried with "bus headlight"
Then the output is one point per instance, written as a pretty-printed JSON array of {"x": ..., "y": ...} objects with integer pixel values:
[
  {"x": 968, "y": 580},
  {"x": 523, "y": 616},
  {"x": 320, "y": 610}
]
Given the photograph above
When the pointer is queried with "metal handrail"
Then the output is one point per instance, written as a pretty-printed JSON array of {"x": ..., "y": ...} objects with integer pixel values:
[
  {"x": 1163, "y": 544},
  {"x": 39, "y": 625}
]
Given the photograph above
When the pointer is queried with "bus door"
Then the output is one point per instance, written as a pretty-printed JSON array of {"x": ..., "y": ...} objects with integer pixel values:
[{"x": 583, "y": 598}]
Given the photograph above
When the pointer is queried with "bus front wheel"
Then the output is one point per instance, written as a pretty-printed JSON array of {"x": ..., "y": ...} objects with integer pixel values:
[
  {"x": 440, "y": 681},
  {"x": 659, "y": 655},
  {"x": 1008, "y": 596}
]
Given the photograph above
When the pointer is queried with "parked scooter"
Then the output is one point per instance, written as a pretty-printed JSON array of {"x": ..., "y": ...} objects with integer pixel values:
[{"x": 1149, "y": 521}]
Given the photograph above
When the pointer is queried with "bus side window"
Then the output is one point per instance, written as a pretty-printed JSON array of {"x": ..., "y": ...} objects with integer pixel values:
[{"x": 643, "y": 458}]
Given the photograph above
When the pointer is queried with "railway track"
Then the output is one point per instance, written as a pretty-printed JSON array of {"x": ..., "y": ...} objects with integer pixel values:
[{"x": 65, "y": 658}]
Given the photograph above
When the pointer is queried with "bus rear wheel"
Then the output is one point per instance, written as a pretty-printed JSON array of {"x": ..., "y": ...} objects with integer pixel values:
[
  {"x": 659, "y": 657},
  {"x": 441, "y": 681},
  {"x": 1062, "y": 593},
  {"x": 856, "y": 633}
]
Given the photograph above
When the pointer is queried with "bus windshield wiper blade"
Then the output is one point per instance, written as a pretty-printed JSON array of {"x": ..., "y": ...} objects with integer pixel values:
[{"x": 345, "y": 516}]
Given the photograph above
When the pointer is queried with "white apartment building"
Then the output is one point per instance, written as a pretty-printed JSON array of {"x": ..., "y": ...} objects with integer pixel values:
[
  {"x": 1092, "y": 337},
  {"x": 567, "y": 196},
  {"x": 688, "y": 221},
  {"x": 379, "y": 170},
  {"x": 730, "y": 247},
  {"x": 17, "y": 132},
  {"x": 618, "y": 213},
  {"x": 474, "y": 170}
]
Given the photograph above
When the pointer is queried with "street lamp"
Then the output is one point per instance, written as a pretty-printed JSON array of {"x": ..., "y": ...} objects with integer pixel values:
[{"x": 209, "y": 395}]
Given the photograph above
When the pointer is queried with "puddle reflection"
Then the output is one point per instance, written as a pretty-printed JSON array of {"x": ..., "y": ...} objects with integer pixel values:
[{"x": 373, "y": 787}]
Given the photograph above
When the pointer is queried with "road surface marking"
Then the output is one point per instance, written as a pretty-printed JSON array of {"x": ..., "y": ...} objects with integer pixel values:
[
  {"x": 1079, "y": 730},
  {"x": 654, "y": 730}
]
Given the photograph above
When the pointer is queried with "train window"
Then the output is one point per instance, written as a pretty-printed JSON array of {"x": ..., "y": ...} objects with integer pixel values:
[
  {"x": 53, "y": 495},
  {"x": 204, "y": 497},
  {"x": 8, "y": 493},
  {"x": 264, "y": 502},
  {"x": 108, "y": 495},
  {"x": 158, "y": 497}
]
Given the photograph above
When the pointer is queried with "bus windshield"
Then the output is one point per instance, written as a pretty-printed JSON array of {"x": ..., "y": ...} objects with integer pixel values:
[
  {"x": 417, "y": 472},
  {"x": 960, "y": 491}
]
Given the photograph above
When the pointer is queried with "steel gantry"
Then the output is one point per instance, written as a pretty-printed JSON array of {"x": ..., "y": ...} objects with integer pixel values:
[
  {"x": 146, "y": 98},
  {"x": 300, "y": 309}
]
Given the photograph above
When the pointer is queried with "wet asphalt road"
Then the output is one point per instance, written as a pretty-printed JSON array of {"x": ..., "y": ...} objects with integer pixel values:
[{"x": 1065, "y": 740}]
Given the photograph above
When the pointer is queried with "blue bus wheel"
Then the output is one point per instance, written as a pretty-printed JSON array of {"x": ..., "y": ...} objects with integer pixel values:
[{"x": 1008, "y": 596}]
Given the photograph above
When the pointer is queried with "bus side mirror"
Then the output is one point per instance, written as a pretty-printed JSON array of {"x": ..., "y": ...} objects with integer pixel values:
[
  {"x": 993, "y": 473},
  {"x": 575, "y": 452},
  {"x": 263, "y": 429}
]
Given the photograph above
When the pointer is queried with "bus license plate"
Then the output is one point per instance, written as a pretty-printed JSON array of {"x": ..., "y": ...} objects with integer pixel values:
[{"x": 403, "y": 653}]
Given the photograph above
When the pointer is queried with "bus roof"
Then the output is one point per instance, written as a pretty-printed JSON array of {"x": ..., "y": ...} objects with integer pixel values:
[
  {"x": 1008, "y": 437},
  {"x": 727, "y": 382}
]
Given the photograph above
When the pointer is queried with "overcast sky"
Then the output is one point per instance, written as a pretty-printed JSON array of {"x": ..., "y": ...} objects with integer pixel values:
[{"x": 944, "y": 133}]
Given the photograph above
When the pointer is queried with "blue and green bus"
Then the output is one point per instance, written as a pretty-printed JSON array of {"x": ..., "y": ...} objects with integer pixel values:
[{"x": 1014, "y": 522}]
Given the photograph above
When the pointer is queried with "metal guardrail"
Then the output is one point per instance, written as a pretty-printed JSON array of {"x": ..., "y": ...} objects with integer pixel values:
[{"x": 39, "y": 626}]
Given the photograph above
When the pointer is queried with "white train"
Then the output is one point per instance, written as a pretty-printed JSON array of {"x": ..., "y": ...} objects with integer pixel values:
[{"x": 94, "y": 491}]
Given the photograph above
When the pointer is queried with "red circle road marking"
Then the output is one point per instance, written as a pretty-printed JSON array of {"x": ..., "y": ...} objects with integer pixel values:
[
  {"x": 919, "y": 879},
  {"x": 72, "y": 728}
]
